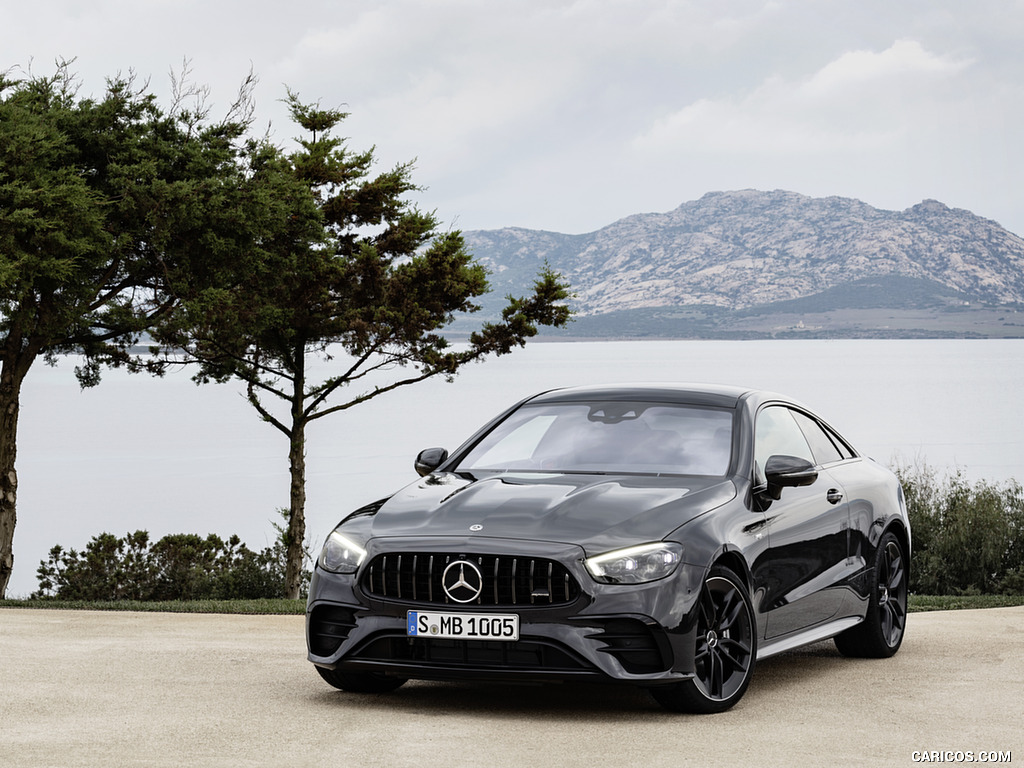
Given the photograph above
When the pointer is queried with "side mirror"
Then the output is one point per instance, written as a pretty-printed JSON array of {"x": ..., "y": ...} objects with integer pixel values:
[
  {"x": 429, "y": 460},
  {"x": 787, "y": 472}
]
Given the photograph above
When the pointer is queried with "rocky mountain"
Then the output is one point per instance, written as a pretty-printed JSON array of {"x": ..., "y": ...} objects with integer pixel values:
[{"x": 743, "y": 254}]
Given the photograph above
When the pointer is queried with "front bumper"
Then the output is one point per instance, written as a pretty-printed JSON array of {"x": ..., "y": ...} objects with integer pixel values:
[{"x": 641, "y": 634}]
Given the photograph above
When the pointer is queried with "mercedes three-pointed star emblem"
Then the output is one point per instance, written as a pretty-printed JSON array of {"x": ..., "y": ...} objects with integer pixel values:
[{"x": 462, "y": 581}]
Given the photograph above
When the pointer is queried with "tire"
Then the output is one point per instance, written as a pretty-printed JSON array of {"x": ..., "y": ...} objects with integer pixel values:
[
  {"x": 726, "y": 647},
  {"x": 881, "y": 633},
  {"x": 361, "y": 682}
]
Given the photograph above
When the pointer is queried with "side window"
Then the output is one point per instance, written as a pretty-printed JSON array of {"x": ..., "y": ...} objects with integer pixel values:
[
  {"x": 825, "y": 451},
  {"x": 843, "y": 446},
  {"x": 776, "y": 432}
]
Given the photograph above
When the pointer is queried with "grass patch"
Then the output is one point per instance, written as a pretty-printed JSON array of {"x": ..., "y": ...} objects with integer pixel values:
[
  {"x": 251, "y": 607},
  {"x": 282, "y": 607},
  {"x": 962, "y": 602}
]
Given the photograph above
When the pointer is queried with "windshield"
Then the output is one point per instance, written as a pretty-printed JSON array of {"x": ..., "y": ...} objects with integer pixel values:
[{"x": 607, "y": 437}]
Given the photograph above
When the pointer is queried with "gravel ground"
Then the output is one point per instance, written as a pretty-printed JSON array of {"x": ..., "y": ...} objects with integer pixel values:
[{"x": 81, "y": 688}]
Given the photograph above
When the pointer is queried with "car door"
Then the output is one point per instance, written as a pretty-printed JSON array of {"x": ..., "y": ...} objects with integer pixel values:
[{"x": 799, "y": 575}]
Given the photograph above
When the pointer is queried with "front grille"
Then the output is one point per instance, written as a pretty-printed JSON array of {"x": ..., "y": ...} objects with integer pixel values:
[
  {"x": 522, "y": 581},
  {"x": 521, "y": 655}
]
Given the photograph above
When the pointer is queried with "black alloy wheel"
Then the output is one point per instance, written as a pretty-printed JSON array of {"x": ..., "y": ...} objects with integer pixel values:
[
  {"x": 725, "y": 651},
  {"x": 881, "y": 633}
]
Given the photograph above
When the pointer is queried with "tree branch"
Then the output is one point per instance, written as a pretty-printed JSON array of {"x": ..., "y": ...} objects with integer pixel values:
[
  {"x": 376, "y": 391},
  {"x": 266, "y": 415}
]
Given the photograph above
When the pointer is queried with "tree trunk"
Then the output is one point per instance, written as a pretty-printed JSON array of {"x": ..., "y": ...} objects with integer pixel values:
[
  {"x": 297, "y": 466},
  {"x": 12, "y": 374},
  {"x": 296, "y": 512}
]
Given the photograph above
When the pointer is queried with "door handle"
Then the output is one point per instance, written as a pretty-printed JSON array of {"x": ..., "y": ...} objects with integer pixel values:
[{"x": 834, "y": 496}]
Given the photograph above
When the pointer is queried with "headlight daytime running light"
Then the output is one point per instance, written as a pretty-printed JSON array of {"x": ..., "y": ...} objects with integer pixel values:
[
  {"x": 341, "y": 554},
  {"x": 636, "y": 565}
]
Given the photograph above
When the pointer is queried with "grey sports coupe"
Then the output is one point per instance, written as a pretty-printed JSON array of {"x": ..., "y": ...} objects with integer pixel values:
[{"x": 662, "y": 536}]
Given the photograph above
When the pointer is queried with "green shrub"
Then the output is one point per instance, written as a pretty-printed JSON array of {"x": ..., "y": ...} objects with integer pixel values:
[
  {"x": 177, "y": 567},
  {"x": 968, "y": 538}
]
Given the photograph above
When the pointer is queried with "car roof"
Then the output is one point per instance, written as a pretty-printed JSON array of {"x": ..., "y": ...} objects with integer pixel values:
[{"x": 716, "y": 395}]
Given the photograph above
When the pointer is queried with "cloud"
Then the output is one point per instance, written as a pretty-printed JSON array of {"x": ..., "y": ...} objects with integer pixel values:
[
  {"x": 440, "y": 81},
  {"x": 905, "y": 61},
  {"x": 860, "y": 101}
]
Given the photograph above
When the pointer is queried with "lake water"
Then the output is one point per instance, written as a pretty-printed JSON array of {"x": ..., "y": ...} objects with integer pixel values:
[{"x": 167, "y": 456}]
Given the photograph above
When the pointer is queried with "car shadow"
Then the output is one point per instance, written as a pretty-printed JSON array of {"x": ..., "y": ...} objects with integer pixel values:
[
  {"x": 815, "y": 664},
  {"x": 773, "y": 678}
]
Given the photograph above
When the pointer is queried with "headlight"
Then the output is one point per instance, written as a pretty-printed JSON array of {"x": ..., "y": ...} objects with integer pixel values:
[
  {"x": 341, "y": 554},
  {"x": 636, "y": 565}
]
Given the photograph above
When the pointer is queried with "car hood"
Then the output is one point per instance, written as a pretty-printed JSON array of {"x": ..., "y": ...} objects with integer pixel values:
[{"x": 597, "y": 512}]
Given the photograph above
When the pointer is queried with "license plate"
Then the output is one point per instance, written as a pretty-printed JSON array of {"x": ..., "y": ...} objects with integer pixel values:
[{"x": 463, "y": 626}]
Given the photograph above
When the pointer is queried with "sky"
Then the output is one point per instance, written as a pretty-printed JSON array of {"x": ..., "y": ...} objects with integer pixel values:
[{"x": 568, "y": 116}]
